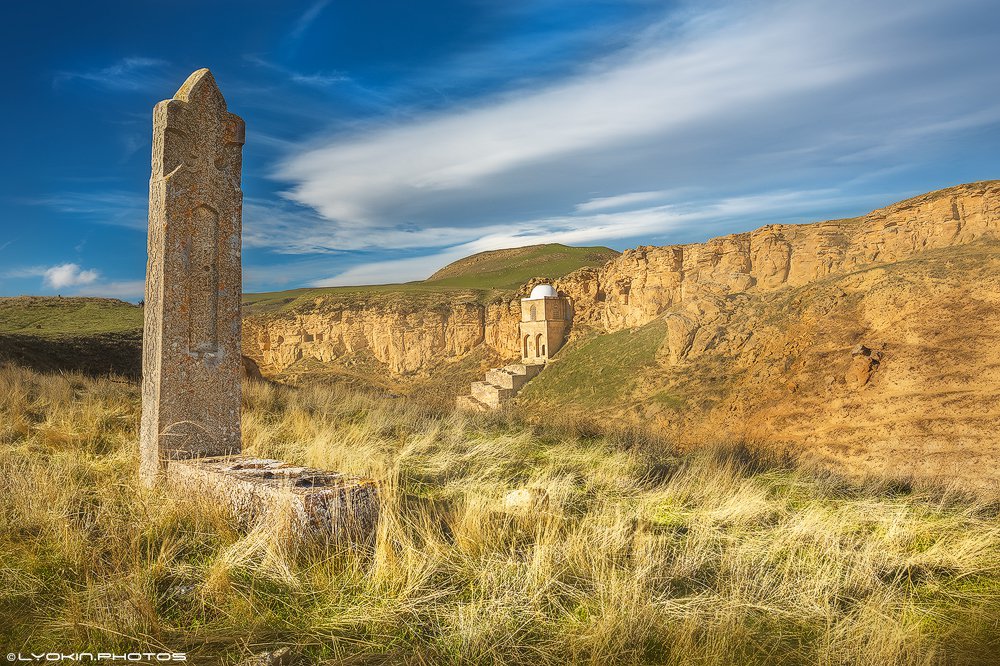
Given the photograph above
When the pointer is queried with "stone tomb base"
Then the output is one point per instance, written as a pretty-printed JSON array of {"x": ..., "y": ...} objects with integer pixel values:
[{"x": 312, "y": 502}]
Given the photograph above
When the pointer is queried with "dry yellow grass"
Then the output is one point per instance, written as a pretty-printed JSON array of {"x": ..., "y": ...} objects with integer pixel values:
[{"x": 639, "y": 556}]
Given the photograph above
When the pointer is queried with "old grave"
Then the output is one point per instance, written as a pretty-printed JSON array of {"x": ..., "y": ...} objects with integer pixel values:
[{"x": 191, "y": 386}]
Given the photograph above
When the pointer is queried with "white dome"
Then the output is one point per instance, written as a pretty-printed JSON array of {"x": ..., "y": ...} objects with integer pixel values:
[{"x": 543, "y": 291}]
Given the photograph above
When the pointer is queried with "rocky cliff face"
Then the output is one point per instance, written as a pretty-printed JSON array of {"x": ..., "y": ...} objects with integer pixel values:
[
  {"x": 696, "y": 289},
  {"x": 407, "y": 337},
  {"x": 870, "y": 345},
  {"x": 646, "y": 282}
]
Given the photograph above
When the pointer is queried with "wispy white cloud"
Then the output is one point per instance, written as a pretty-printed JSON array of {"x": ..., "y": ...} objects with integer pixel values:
[
  {"x": 130, "y": 73},
  {"x": 130, "y": 290},
  {"x": 620, "y": 201},
  {"x": 307, "y": 18},
  {"x": 773, "y": 96},
  {"x": 116, "y": 207},
  {"x": 73, "y": 280},
  {"x": 24, "y": 272},
  {"x": 313, "y": 80}
]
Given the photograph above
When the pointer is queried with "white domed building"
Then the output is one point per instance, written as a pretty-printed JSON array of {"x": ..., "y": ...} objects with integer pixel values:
[
  {"x": 543, "y": 291},
  {"x": 545, "y": 318}
]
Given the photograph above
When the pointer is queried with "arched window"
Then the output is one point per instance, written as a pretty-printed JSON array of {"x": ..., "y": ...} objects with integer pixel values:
[{"x": 533, "y": 313}]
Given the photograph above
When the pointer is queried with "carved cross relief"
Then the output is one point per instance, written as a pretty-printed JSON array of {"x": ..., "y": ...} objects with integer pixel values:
[{"x": 201, "y": 163}]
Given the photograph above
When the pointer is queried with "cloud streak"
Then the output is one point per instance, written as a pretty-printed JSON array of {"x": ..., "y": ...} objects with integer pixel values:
[
  {"x": 321, "y": 80},
  {"x": 128, "y": 74},
  {"x": 130, "y": 290},
  {"x": 775, "y": 96},
  {"x": 307, "y": 18},
  {"x": 599, "y": 227},
  {"x": 115, "y": 207}
]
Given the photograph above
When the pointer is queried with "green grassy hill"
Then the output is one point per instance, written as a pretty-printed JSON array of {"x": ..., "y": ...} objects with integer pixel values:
[
  {"x": 56, "y": 316},
  {"x": 95, "y": 336},
  {"x": 479, "y": 277},
  {"x": 510, "y": 268}
]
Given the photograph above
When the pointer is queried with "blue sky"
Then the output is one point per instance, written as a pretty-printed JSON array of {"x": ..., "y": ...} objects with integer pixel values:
[{"x": 387, "y": 139}]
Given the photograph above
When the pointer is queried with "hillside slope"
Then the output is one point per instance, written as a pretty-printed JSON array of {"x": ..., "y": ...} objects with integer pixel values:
[
  {"x": 872, "y": 342},
  {"x": 95, "y": 336},
  {"x": 48, "y": 316},
  {"x": 510, "y": 268}
]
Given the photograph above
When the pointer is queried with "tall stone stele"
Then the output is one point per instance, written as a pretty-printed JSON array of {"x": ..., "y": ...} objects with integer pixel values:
[{"x": 191, "y": 385}]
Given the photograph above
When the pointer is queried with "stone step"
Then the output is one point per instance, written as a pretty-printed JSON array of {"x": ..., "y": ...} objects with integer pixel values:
[
  {"x": 504, "y": 379},
  {"x": 491, "y": 395},
  {"x": 468, "y": 403},
  {"x": 529, "y": 370}
]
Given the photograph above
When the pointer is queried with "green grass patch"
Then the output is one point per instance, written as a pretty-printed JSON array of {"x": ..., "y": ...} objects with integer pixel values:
[
  {"x": 480, "y": 278},
  {"x": 31, "y": 315},
  {"x": 509, "y": 269},
  {"x": 598, "y": 370}
]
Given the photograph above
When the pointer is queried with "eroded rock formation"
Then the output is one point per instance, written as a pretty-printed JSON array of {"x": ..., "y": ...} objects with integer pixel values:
[
  {"x": 646, "y": 282},
  {"x": 406, "y": 337},
  {"x": 693, "y": 287}
]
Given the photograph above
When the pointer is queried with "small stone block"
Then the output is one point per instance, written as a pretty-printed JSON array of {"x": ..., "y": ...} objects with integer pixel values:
[
  {"x": 468, "y": 403},
  {"x": 318, "y": 502},
  {"x": 503, "y": 379}
]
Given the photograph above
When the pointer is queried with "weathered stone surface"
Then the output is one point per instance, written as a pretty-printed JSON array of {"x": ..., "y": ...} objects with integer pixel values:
[
  {"x": 313, "y": 501},
  {"x": 470, "y": 404},
  {"x": 865, "y": 361},
  {"x": 191, "y": 342},
  {"x": 637, "y": 287},
  {"x": 529, "y": 370},
  {"x": 505, "y": 379},
  {"x": 490, "y": 395},
  {"x": 408, "y": 338},
  {"x": 644, "y": 283}
]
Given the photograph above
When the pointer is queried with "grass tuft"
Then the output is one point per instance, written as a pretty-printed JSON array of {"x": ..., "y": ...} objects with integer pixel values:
[{"x": 637, "y": 555}]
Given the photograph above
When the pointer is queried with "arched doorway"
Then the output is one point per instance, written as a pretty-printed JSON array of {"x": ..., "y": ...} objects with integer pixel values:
[
  {"x": 538, "y": 345},
  {"x": 527, "y": 340}
]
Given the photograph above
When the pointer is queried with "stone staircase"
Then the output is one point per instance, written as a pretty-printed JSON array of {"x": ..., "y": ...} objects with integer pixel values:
[{"x": 501, "y": 385}]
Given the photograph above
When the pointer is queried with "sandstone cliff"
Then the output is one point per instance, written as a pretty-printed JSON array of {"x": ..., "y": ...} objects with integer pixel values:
[
  {"x": 408, "y": 334},
  {"x": 872, "y": 341},
  {"x": 872, "y": 344},
  {"x": 644, "y": 283}
]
